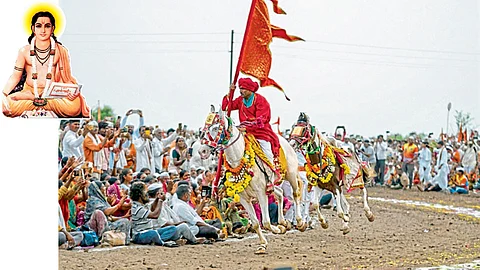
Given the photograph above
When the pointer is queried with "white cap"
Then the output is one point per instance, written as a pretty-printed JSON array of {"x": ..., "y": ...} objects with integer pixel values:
[
  {"x": 154, "y": 186},
  {"x": 164, "y": 174}
]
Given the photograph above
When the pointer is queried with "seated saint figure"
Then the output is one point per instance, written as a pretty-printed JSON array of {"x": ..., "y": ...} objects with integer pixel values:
[{"x": 39, "y": 64}]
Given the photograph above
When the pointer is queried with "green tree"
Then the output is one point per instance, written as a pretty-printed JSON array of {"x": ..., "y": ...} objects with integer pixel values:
[
  {"x": 464, "y": 120},
  {"x": 105, "y": 111}
]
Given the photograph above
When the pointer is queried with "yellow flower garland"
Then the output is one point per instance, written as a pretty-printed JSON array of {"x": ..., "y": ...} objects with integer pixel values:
[
  {"x": 314, "y": 172},
  {"x": 241, "y": 175}
]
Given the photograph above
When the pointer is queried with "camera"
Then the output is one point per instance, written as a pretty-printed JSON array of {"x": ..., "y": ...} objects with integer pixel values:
[
  {"x": 190, "y": 151},
  {"x": 206, "y": 191}
]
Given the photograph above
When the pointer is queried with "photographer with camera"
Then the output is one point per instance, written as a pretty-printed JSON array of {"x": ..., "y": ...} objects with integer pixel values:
[
  {"x": 143, "y": 146},
  {"x": 161, "y": 147},
  {"x": 131, "y": 129}
]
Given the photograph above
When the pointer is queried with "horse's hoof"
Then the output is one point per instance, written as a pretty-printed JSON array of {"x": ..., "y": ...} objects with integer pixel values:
[
  {"x": 324, "y": 225},
  {"x": 282, "y": 229},
  {"x": 261, "y": 250},
  {"x": 303, "y": 227},
  {"x": 289, "y": 225},
  {"x": 345, "y": 230},
  {"x": 370, "y": 217}
]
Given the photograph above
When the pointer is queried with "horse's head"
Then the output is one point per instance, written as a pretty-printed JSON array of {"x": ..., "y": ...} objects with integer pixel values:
[
  {"x": 216, "y": 132},
  {"x": 300, "y": 135}
]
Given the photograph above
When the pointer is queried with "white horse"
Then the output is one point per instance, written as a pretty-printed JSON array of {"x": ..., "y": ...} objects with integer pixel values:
[
  {"x": 221, "y": 134},
  {"x": 337, "y": 185}
]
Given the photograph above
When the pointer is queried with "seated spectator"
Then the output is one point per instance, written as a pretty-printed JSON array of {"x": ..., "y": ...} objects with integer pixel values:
[
  {"x": 169, "y": 218},
  {"x": 99, "y": 213},
  {"x": 207, "y": 229},
  {"x": 144, "y": 231},
  {"x": 67, "y": 239},
  {"x": 460, "y": 182}
]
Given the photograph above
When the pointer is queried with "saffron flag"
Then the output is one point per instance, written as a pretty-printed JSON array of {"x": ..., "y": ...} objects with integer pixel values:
[
  {"x": 460, "y": 134},
  {"x": 257, "y": 59}
]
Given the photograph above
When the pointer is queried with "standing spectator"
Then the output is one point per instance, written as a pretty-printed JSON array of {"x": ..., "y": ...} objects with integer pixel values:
[
  {"x": 93, "y": 146},
  {"x": 72, "y": 141},
  {"x": 143, "y": 146},
  {"x": 425, "y": 163},
  {"x": 161, "y": 147},
  {"x": 469, "y": 160},
  {"x": 440, "y": 181},
  {"x": 180, "y": 155},
  {"x": 410, "y": 152},
  {"x": 131, "y": 129},
  {"x": 381, "y": 155},
  {"x": 369, "y": 153}
]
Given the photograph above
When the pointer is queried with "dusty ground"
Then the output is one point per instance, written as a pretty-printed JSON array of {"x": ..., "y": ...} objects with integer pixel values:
[{"x": 401, "y": 237}]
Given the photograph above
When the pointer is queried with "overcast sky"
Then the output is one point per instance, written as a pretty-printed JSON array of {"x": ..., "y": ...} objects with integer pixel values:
[{"x": 369, "y": 65}]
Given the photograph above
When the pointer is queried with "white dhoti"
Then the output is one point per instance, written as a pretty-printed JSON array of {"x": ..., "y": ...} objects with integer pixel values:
[
  {"x": 424, "y": 171},
  {"x": 267, "y": 149}
]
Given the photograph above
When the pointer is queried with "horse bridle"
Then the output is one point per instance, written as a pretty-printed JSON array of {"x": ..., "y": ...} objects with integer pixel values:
[{"x": 220, "y": 142}]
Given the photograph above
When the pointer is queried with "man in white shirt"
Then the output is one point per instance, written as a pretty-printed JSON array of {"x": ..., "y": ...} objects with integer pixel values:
[
  {"x": 380, "y": 149},
  {"x": 161, "y": 147},
  {"x": 190, "y": 216},
  {"x": 143, "y": 145},
  {"x": 72, "y": 142},
  {"x": 440, "y": 181},
  {"x": 469, "y": 159},
  {"x": 168, "y": 217},
  {"x": 425, "y": 163}
]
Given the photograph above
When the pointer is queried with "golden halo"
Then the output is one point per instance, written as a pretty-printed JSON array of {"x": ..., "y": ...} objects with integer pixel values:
[{"x": 57, "y": 12}]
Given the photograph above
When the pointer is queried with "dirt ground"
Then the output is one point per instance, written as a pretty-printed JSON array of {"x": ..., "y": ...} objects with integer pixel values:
[{"x": 401, "y": 237}]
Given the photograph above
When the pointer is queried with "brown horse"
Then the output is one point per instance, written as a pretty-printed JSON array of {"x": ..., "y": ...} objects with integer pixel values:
[{"x": 347, "y": 173}]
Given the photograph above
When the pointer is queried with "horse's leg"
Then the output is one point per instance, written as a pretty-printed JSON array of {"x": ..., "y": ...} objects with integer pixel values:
[
  {"x": 316, "y": 206},
  {"x": 296, "y": 183},
  {"x": 345, "y": 204},
  {"x": 263, "y": 201},
  {"x": 366, "y": 208},
  {"x": 278, "y": 192},
  {"x": 340, "y": 212},
  {"x": 244, "y": 200}
]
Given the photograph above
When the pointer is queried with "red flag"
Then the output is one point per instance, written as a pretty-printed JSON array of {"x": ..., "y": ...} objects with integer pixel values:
[
  {"x": 255, "y": 57},
  {"x": 276, "y": 8}
]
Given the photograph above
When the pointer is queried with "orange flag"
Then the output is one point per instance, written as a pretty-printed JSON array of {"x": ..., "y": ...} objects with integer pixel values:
[
  {"x": 257, "y": 59},
  {"x": 460, "y": 134},
  {"x": 278, "y": 121}
]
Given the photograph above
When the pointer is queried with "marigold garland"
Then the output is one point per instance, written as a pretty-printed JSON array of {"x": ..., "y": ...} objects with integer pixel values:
[
  {"x": 238, "y": 178},
  {"x": 314, "y": 172}
]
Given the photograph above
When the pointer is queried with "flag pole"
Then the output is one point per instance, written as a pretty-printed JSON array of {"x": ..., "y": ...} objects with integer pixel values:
[
  {"x": 241, "y": 56},
  {"x": 232, "y": 91}
]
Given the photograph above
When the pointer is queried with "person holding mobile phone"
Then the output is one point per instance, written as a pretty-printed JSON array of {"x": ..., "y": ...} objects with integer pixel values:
[
  {"x": 180, "y": 155},
  {"x": 161, "y": 147}
]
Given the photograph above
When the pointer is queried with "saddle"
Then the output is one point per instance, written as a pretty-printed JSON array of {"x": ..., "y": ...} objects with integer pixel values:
[{"x": 264, "y": 159}]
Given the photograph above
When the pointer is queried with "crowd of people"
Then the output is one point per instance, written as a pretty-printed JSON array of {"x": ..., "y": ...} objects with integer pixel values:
[
  {"x": 121, "y": 184},
  {"x": 449, "y": 165}
]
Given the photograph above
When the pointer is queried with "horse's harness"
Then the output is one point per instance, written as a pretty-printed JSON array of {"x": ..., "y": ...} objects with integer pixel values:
[{"x": 220, "y": 142}]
